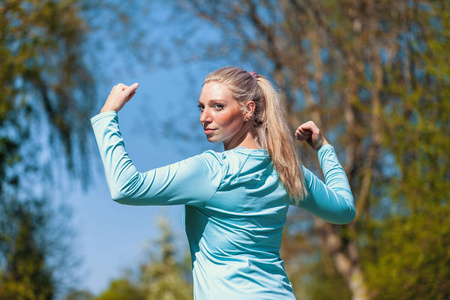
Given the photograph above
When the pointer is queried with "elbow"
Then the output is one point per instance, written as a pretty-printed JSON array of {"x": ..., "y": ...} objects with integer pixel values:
[
  {"x": 352, "y": 217},
  {"x": 349, "y": 217},
  {"x": 119, "y": 196},
  {"x": 124, "y": 190},
  {"x": 344, "y": 213},
  {"x": 122, "y": 193},
  {"x": 348, "y": 212},
  {"x": 346, "y": 216}
]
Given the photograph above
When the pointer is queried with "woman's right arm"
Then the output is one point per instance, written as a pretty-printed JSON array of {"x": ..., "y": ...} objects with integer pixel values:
[{"x": 191, "y": 181}]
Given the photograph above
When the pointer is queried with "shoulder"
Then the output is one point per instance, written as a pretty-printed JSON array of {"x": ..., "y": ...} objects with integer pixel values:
[
  {"x": 234, "y": 161},
  {"x": 212, "y": 163},
  {"x": 212, "y": 158}
]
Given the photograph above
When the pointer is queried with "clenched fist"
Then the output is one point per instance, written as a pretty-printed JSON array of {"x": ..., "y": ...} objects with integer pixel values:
[
  {"x": 119, "y": 96},
  {"x": 310, "y": 133}
]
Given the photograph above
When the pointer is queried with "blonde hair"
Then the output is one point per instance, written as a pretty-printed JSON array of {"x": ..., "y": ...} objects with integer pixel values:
[{"x": 269, "y": 125}]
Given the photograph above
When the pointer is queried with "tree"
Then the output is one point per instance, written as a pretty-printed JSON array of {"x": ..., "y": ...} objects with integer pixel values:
[
  {"x": 43, "y": 73},
  {"x": 163, "y": 277},
  {"x": 414, "y": 239},
  {"x": 79, "y": 295},
  {"x": 373, "y": 75},
  {"x": 122, "y": 289},
  {"x": 46, "y": 86},
  {"x": 27, "y": 275},
  {"x": 160, "y": 277}
]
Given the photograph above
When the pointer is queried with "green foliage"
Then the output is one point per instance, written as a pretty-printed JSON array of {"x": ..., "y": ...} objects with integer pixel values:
[
  {"x": 26, "y": 275},
  {"x": 79, "y": 295},
  {"x": 312, "y": 273},
  {"x": 161, "y": 277},
  {"x": 411, "y": 254},
  {"x": 326, "y": 283},
  {"x": 47, "y": 95},
  {"x": 43, "y": 74},
  {"x": 408, "y": 255},
  {"x": 122, "y": 289}
]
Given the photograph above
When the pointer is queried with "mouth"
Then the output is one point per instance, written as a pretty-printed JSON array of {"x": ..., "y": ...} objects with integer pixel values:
[{"x": 208, "y": 131}]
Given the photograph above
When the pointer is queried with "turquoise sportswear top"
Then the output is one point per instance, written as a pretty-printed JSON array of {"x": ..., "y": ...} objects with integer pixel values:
[{"x": 235, "y": 209}]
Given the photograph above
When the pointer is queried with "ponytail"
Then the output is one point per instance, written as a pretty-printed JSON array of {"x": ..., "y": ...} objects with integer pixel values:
[
  {"x": 274, "y": 135},
  {"x": 269, "y": 125}
]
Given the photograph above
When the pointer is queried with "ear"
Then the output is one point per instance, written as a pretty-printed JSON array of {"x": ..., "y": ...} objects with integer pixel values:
[{"x": 249, "y": 109}]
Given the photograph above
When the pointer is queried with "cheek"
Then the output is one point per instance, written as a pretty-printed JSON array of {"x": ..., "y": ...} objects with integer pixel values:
[{"x": 231, "y": 118}]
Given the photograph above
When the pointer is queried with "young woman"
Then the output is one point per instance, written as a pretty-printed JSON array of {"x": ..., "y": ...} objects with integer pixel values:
[{"x": 236, "y": 200}]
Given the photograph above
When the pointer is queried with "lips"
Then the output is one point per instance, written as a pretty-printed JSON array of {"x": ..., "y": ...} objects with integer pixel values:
[{"x": 208, "y": 130}]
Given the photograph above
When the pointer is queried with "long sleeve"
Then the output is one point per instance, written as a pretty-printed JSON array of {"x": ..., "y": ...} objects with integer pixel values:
[
  {"x": 332, "y": 200},
  {"x": 191, "y": 181}
]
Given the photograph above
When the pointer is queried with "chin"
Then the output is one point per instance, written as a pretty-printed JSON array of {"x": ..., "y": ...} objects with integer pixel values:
[{"x": 211, "y": 139}]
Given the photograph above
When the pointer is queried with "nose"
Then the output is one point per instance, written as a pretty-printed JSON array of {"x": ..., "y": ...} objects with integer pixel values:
[{"x": 205, "y": 117}]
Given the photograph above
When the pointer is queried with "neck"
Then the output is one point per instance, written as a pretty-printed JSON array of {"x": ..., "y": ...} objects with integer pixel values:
[{"x": 244, "y": 138}]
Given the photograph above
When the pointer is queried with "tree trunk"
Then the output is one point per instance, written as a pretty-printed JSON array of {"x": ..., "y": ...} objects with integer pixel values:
[{"x": 345, "y": 256}]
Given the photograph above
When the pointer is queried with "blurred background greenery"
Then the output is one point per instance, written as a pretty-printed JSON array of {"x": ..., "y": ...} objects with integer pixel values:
[{"x": 374, "y": 75}]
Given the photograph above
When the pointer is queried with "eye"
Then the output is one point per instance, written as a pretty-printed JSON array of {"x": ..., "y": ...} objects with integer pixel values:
[
  {"x": 201, "y": 107},
  {"x": 218, "y": 106}
]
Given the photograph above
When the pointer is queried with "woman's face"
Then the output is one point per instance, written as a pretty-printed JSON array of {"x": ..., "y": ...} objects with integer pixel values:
[{"x": 221, "y": 115}]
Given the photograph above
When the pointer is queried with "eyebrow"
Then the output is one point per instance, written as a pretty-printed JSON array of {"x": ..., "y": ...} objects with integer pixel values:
[{"x": 221, "y": 100}]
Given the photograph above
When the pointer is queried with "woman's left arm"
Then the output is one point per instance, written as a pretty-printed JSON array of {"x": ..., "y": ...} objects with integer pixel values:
[{"x": 332, "y": 200}]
